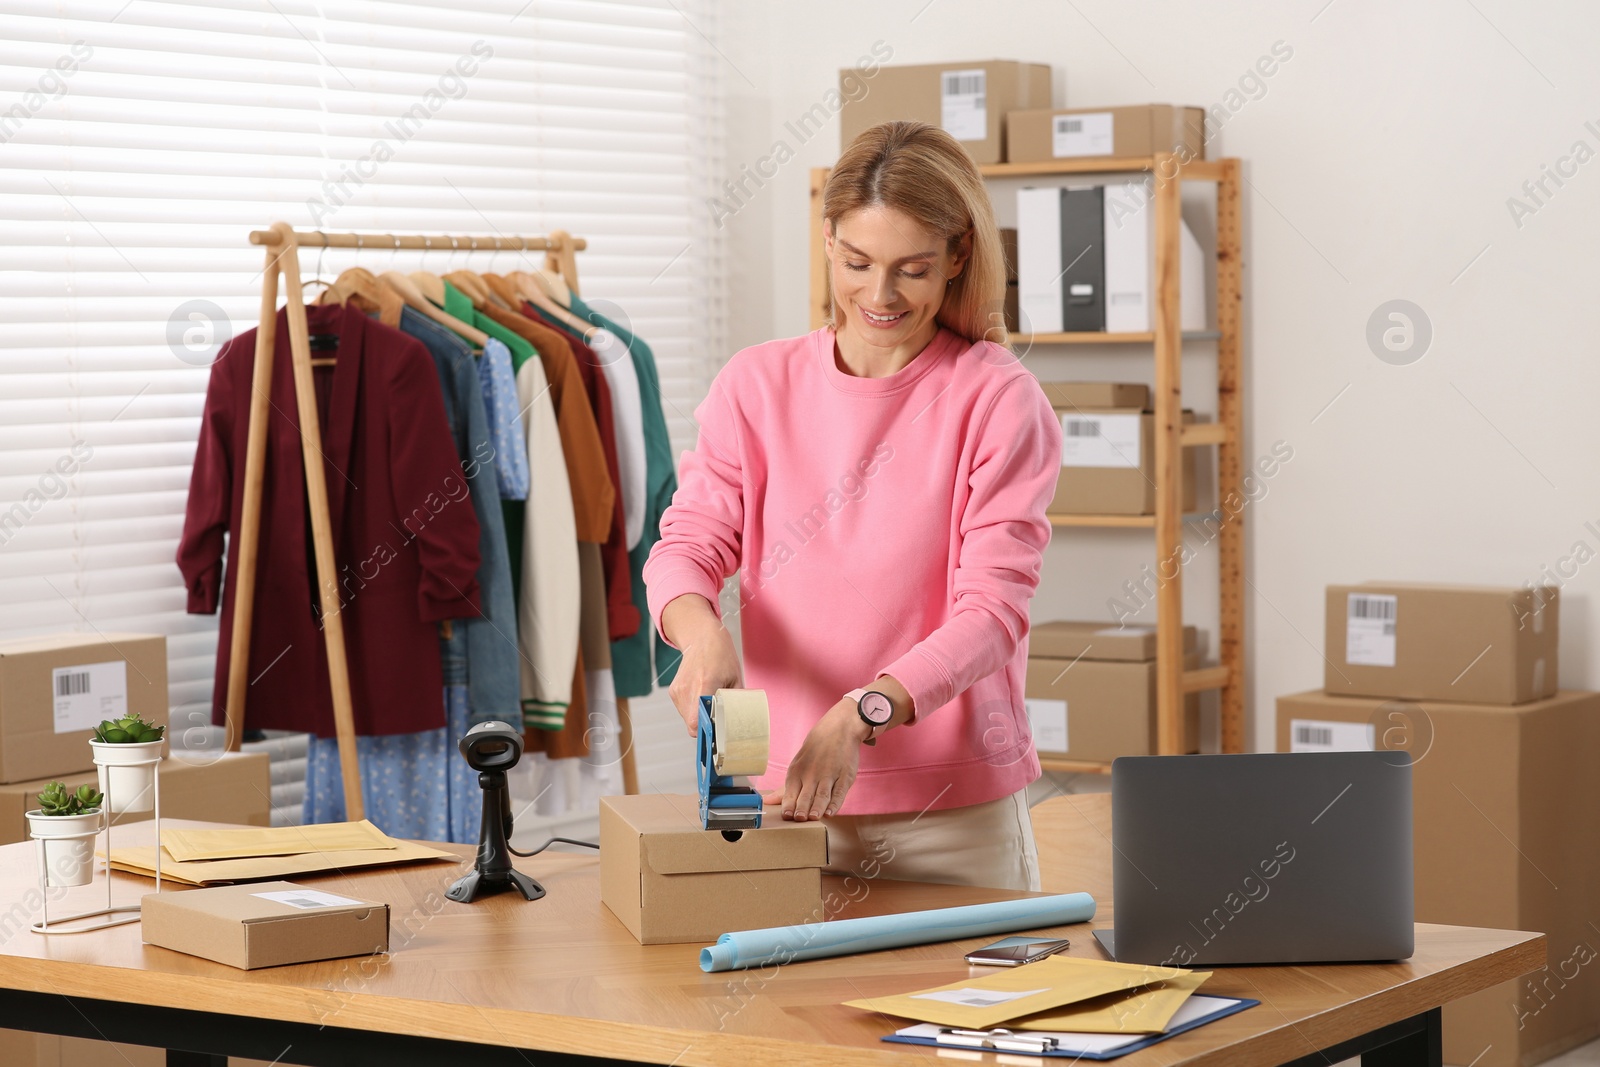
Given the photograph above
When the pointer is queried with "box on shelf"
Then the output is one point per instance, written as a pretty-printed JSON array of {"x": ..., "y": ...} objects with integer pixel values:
[
  {"x": 1091, "y": 690},
  {"x": 55, "y": 689},
  {"x": 264, "y": 924},
  {"x": 968, "y": 99},
  {"x": 1108, "y": 460},
  {"x": 231, "y": 787},
  {"x": 1069, "y": 396},
  {"x": 1422, "y": 641},
  {"x": 1043, "y": 134},
  {"x": 1506, "y": 807},
  {"x": 669, "y": 881}
]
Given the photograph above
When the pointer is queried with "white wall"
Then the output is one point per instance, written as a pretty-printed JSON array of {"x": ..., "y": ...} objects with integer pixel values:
[{"x": 1379, "y": 158}]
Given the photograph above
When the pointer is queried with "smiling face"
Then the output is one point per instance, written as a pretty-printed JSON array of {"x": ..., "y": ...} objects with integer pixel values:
[{"x": 889, "y": 276}]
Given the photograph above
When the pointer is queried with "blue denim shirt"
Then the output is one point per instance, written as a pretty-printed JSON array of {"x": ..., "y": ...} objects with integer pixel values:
[{"x": 480, "y": 653}]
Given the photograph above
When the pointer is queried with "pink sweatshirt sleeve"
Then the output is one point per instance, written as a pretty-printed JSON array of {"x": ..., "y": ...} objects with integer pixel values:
[
  {"x": 1003, "y": 534},
  {"x": 700, "y": 540}
]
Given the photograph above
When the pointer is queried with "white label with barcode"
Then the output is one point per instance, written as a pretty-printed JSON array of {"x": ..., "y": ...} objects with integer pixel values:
[
  {"x": 1048, "y": 721},
  {"x": 306, "y": 899},
  {"x": 1321, "y": 735},
  {"x": 963, "y": 104},
  {"x": 88, "y": 693},
  {"x": 1100, "y": 441},
  {"x": 1369, "y": 633},
  {"x": 1081, "y": 135}
]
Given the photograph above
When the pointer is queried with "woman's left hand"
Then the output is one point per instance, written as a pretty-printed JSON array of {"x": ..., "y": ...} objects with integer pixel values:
[{"x": 825, "y": 767}]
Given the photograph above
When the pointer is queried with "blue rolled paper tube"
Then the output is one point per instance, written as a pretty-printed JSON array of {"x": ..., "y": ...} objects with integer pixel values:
[{"x": 842, "y": 937}]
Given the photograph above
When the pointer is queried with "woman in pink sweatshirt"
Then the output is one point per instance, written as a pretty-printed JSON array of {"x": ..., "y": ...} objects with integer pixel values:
[{"x": 880, "y": 487}]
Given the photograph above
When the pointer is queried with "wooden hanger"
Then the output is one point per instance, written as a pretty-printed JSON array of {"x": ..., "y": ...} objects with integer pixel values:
[
  {"x": 430, "y": 285},
  {"x": 370, "y": 295},
  {"x": 413, "y": 297},
  {"x": 470, "y": 284},
  {"x": 530, "y": 290},
  {"x": 553, "y": 284}
]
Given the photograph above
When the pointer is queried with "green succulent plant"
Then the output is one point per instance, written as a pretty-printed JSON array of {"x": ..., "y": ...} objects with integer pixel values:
[
  {"x": 57, "y": 800},
  {"x": 128, "y": 730}
]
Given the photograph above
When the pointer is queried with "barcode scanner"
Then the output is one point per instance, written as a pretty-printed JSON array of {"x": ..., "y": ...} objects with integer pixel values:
[{"x": 492, "y": 749}]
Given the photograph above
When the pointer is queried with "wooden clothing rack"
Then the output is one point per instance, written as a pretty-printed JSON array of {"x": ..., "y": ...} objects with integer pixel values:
[{"x": 283, "y": 245}]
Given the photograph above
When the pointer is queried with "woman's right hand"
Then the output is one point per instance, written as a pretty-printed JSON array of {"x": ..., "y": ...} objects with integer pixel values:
[{"x": 709, "y": 660}]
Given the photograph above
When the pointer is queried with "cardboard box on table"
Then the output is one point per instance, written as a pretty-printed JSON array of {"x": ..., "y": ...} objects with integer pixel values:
[
  {"x": 1093, "y": 687},
  {"x": 669, "y": 881},
  {"x": 1108, "y": 460},
  {"x": 230, "y": 787},
  {"x": 968, "y": 99},
  {"x": 55, "y": 689},
  {"x": 264, "y": 924},
  {"x": 1042, "y": 134},
  {"x": 1506, "y": 806},
  {"x": 1425, "y": 641}
]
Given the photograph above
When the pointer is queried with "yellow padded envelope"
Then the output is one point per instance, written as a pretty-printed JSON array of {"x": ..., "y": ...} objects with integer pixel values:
[
  {"x": 981, "y": 1003},
  {"x": 264, "y": 868},
  {"x": 186, "y": 845},
  {"x": 1142, "y": 1011}
]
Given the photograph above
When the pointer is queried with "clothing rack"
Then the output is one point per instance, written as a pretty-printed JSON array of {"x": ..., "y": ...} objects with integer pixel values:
[{"x": 283, "y": 244}]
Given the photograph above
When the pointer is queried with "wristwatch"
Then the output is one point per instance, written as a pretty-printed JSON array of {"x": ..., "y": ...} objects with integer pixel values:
[{"x": 875, "y": 709}]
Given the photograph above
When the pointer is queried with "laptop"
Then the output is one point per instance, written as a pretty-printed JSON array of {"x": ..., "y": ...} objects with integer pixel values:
[{"x": 1301, "y": 857}]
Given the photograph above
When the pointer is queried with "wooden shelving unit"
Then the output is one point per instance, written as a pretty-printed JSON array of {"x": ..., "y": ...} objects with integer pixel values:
[{"x": 1173, "y": 682}]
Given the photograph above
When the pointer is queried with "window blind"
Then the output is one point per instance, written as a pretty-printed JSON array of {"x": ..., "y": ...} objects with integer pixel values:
[{"x": 140, "y": 141}]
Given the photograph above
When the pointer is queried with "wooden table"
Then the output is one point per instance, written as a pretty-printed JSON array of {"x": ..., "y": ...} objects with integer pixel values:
[{"x": 560, "y": 981}]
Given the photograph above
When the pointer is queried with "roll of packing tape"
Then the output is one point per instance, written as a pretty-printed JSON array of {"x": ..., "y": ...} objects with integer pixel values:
[{"x": 739, "y": 717}]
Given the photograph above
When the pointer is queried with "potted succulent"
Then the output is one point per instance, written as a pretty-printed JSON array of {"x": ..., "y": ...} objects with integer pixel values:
[
  {"x": 67, "y": 822},
  {"x": 126, "y": 751}
]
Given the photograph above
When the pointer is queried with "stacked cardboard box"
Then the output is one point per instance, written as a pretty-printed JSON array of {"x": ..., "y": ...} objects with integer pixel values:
[
  {"x": 1091, "y": 690},
  {"x": 970, "y": 100},
  {"x": 1108, "y": 453},
  {"x": 1506, "y": 804},
  {"x": 1041, "y": 135}
]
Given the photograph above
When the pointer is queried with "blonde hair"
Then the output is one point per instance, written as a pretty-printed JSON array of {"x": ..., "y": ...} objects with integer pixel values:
[{"x": 923, "y": 172}]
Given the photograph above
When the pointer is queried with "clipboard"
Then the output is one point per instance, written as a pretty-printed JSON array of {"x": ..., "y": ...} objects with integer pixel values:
[{"x": 1197, "y": 1011}]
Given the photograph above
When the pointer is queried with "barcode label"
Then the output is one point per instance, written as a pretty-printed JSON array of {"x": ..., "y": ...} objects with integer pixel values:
[
  {"x": 1372, "y": 607},
  {"x": 1371, "y": 621},
  {"x": 306, "y": 899},
  {"x": 1321, "y": 735},
  {"x": 964, "y": 104},
  {"x": 1082, "y": 135},
  {"x": 1101, "y": 441},
  {"x": 87, "y": 693},
  {"x": 70, "y": 685}
]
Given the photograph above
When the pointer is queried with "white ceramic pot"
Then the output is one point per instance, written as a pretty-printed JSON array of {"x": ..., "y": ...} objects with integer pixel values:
[
  {"x": 127, "y": 774},
  {"x": 68, "y": 845}
]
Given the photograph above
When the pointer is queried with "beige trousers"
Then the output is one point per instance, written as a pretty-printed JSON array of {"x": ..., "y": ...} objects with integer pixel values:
[{"x": 983, "y": 844}]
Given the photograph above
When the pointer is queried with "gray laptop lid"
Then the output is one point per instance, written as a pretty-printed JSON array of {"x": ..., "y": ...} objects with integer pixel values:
[{"x": 1262, "y": 858}]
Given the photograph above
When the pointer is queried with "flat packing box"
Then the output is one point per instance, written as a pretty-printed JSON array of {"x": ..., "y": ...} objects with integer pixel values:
[
  {"x": 1069, "y": 396},
  {"x": 55, "y": 689},
  {"x": 968, "y": 99},
  {"x": 231, "y": 787},
  {"x": 1419, "y": 641},
  {"x": 1091, "y": 690},
  {"x": 1108, "y": 461},
  {"x": 1507, "y": 810},
  {"x": 669, "y": 881},
  {"x": 264, "y": 924},
  {"x": 1040, "y": 135}
]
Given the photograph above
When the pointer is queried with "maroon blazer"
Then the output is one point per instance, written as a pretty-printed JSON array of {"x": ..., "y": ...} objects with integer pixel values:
[{"x": 405, "y": 537}]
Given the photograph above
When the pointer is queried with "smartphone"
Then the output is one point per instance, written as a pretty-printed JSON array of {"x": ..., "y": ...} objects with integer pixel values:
[{"x": 1015, "y": 951}]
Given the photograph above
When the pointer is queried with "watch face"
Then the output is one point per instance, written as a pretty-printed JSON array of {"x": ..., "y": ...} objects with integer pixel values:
[{"x": 876, "y": 708}]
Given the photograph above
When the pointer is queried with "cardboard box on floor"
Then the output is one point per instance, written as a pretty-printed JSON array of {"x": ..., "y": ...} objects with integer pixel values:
[
  {"x": 968, "y": 99},
  {"x": 1507, "y": 810},
  {"x": 1093, "y": 687},
  {"x": 1043, "y": 134},
  {"x": 669, "y": 881},
  {"x": 1108, "y": 461},
  {"x": 1424, "y": 641},
  {"x": 231, "y": 787},
  {"x": 55, "y": 689}
]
